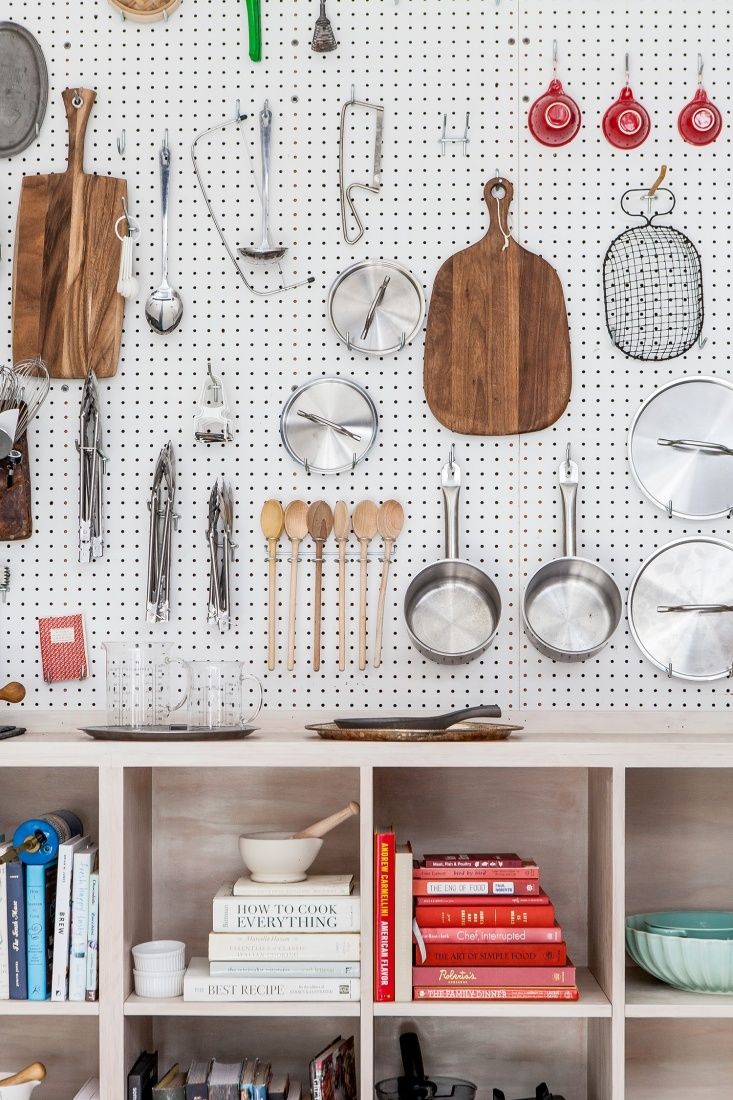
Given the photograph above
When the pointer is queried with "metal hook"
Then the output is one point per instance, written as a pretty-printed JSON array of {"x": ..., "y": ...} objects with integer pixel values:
[
  {"x": 452, "y": 456},
  {"x": 122, "y": 143},
  {"x": 353, "y": 94},
  {"x": 626, "y": 66},
  {"x": 165, "y": 147},
  {"x": 567, "y": 461},
  {"x": 699, "y": 70},
  {"x": 554, "y": 57},
  {"x": 77, "y": 101}
]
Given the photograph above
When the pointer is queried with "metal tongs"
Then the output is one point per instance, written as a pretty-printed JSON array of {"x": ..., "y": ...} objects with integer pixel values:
[
  {"x": 92, "y": 463},
  {"x": 221, "y": 552},
  {"x": 162, "y": 521}
]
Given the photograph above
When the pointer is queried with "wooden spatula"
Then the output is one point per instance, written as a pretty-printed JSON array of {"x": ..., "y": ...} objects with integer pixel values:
[
  {"x": 272, "y": 522},
  {"x": 390, "y": 521},
  {"x": 342, "y": 530},
  {"x": 320, "y": 525},
  {"x": 364, "y": 522},
  {"x": 296, "y": 528},
  {"x": 66, "y": 262}
]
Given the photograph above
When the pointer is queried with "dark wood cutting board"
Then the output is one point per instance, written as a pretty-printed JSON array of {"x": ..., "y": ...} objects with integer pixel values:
[
  {"x": 66, "y": 263},
  {"x": 497, "y": 349}
]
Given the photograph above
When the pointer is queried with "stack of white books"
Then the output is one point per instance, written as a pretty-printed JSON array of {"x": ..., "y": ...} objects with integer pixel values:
[{"x": 281, "y": 942}]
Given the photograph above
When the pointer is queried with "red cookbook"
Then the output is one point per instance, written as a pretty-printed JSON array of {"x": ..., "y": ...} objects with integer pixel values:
[
  {"x": 501, "y": 887},
  {"x": 503, "y": 954},
  {"x": 492, "y": 935},
  {"x": 437, "y": 901},
  {"x": 472, "y": 859},
  {"x": 478, "y": 916},
  {"x": 384, "y": 916},
  {"x": 493, "y": 975},
  {"x": 527, "y": 870},
  {"x": 499, "y": 993}
]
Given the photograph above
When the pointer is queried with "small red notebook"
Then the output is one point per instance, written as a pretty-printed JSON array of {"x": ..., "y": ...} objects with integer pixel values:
[{"x": 63, "y": 648}]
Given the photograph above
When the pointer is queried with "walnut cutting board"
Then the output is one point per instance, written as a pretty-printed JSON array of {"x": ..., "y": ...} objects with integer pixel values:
[
  {"x": 497, "y": 349},
  {"x": 66, "y": 263}
]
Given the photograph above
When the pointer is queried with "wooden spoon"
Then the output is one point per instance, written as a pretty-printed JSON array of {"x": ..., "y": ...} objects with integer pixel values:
[
  {"x": 390, "y": 521},
  {"x": 36, "y": 1071},
  {"x": 320, "y": 828},
  {"x": 342, "y": 530},
  {"x": 296, "y": 528},
  {"x": 12, "y": 692},
  {"x": 320, "y": 526},
  {"x": 272, "y": 522},
  {"x": 364, "y": 522}
]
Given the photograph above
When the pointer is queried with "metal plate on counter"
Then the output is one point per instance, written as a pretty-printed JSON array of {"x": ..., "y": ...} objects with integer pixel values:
[
  {"x": 376, "y": 307},
  {"x": 681, "y": 448},
  {"x": 161, "y": 734},
  {"x": 463, "y": 731},
  {"x": 328, "y": 425},
  {"x": 681, "y": 608},
  {"x": 23, "y": 89}
]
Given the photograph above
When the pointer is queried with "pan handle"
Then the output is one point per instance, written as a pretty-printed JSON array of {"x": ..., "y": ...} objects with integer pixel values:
[
  {"x": 450, "y": 481},
  {"x": 568, "y": 476},
  {"x": 709, "y": 608}
]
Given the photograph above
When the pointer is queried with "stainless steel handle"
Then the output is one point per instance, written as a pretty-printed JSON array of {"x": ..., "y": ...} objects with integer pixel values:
[
  {"x": 451, "y": 484},
  {"x": 165, "y": 180},
  {"x": 265, "y": 142},
  {"x": 709, "y": 608},
  {"x": 697, "y": 445},
  {"x": 323, "y": 422},
  {"x": 378, "y": 299},
  {"x": 568, "y": 476}
]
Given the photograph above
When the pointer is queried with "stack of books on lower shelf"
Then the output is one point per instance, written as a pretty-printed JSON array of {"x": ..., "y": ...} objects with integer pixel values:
[{"x": 294, "y": 941}]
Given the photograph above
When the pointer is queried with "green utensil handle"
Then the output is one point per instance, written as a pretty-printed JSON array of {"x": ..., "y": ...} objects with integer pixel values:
[{"x": 254, "y": 24}]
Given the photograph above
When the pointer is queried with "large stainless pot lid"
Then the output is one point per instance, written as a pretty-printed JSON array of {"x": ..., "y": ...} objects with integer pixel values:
[
  {"x": 376, "y": 306},
  {"x": 681, "y": 608},
  {"x": 328, "y": 425},
  {"x": 681, "y": 448},
  {"x": 23, "y": 89}
]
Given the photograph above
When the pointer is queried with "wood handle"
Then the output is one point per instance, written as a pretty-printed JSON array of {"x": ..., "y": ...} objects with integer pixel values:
[
  {"x": 342, "y": 604},
  {"x": 36, "y": 1071},
  {"x": 498, "y": 206},
  {"x": 320, "y": 828},
  {"x": 317, "y": 608},
  {"x": 295, "y": 547},
  {"x": 12, "y": 692},
  {"x": 272, "y": 579},
  {"x": 77, "y": 118},
  {"x": 363, "y": 602},
  {"x": 380, "y": 605}
]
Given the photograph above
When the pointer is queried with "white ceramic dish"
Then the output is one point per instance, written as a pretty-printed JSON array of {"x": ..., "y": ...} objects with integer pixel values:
[
  {"x": 159, "y": 957},
  {"x": 16, "y": 1092},
  {"x": 158, "y": 985},
  {"x": 277, "y": 857}
]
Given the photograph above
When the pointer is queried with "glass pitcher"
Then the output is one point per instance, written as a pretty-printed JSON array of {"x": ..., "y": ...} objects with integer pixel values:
[
  {"x": 216, "y": 697},
  {"x": 138, "y": 683}
]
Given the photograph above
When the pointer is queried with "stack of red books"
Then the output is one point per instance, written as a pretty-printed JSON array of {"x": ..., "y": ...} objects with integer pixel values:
[{"x": 485, "y": 930}]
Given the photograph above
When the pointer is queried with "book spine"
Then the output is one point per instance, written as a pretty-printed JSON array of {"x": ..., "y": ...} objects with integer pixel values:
[
  {"x": 540, "y": 900},
  {"x": 403, "y": 923},
  {"x": 40, "y": 885},
  {"x": 17, "y": 932},
  {"x": 197, "y": 1092},
  {"x": 474, "y": 887},
  {"x": 284, "y": 970},
  {"x": 477, "y": 916},
  {"x": 287, "y": 915},
  {"x": 4, "y": 947},
  {"x": 502, "y": 955},
  {"x": 498, "y": 993},
  {"x": 487, "y": 976},
  {"x": 283, "y": 947},
  {"x": 62, "y": 924},
  {"x": 92, "y": 982},
  {"x": 384, "y": 912},
  {"x": 79, "y": 925},
  {"x": 462, "y": 874},
  {"x": 470, "y": 860},
  {"x": 329, "y": 886},
  {"x": 492, "y": 935},
  {"x": 271, "y": 989}
]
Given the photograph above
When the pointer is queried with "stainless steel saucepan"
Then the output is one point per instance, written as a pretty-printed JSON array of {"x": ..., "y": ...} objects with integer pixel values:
[
  {"x": 452, "y": 608},
  {"x": 571, "y": 606}
]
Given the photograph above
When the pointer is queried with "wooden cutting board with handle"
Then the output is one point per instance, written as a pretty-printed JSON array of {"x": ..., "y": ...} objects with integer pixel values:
[
  {"x": 66, "y": 263},
  {"x": 497, "y": 349}
]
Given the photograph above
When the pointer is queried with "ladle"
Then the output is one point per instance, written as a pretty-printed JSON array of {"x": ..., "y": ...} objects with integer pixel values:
[
  {"x": 164, "y": 307},
  {"x": 265, "y": 252}
]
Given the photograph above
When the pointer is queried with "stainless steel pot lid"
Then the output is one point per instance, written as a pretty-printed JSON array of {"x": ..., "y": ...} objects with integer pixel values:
[
  {"x": 376, "y": 306},
  {"x": 23, "y": 89},
  {"x": 681, "y": 448},
  {"x": 681, "y": 608},
  {"x": 328, "y": 425}
]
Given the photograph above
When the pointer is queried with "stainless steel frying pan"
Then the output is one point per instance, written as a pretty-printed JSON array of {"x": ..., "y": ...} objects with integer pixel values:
[
  {"x": 452, "y": 608},
  {"x": 571, "y": 606}
]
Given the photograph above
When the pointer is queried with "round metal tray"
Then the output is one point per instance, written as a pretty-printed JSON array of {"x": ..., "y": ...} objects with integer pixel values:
[
  {"x": 681, "y": 448},
  {"x": 24, "y": 89},
  {"x": 463, "y": 731},
  {"x": 376, "y": 307},
  {"x": 328, "y": 425},
  {"x": 694, "y": 577},
  {"x": 166, "y": 733}
]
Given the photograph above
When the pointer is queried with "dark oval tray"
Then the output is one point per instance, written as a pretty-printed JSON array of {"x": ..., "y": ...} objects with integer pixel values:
[
  {"x": 166, "y": 733},
  {"x": 24, "y": 89}
]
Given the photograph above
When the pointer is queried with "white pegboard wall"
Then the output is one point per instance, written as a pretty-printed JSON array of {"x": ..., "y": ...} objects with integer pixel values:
[{"x": 420, "y": 61}]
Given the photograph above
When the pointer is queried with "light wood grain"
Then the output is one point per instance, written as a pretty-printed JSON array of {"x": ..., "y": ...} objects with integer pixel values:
[
  {"x": 296, "y": 528},
  {"x": 36, "y": 1071},
  {"x": 326, "y": 824},
  {"x": 364, "y": 523},
  {"x": 497, "y": 349},
  {"x": 390, "y": 520},
  {"x": 69, "y": 1048},
  {"x": 320, "y": 525},
  {"x": 341, "y": 530},
  {"x": 272, "y": 523}
]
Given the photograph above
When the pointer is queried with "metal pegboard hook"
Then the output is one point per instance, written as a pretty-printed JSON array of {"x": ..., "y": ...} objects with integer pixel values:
[
  {"x": 568, "y": 467},
  {"x": 627, "y": 70},
  {"x": 452, "y": 457},
  {"x": 554, "y": 57},
  {"x": 122, "y": 143},
  {"x": 700, "y": 67},
  {"x": 165, "y": 147}
]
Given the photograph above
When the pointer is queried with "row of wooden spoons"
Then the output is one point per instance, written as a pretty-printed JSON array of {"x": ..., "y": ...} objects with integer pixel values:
[{"x": 318, "y": 521}]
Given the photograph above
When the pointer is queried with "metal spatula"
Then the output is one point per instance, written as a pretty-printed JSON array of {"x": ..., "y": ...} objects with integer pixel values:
[
  {"x": 439, "y": 722},
  {"x": 324, "y": 40}
]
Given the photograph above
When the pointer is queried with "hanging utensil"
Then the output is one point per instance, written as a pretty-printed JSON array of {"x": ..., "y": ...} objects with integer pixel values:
[
  {"x": 438, "y": 723},
  {"x": 320, "y": 525},
  {"x": 296, "y": 528},
  {"x": 328, "y": 425},
  {"x": 571, "y": 606},
  {"x": 364, "y": 523},
  {"x": 390, "y": 521},
  {"x": 162, "y": 521},
  {"x": 238, "y": 119},
  {"x": 226, "y": 509},
  {"x": 254, "y": 30},
  {"x": 700, "y": 122},
  {"x": 272, "y": 523},
  {"x": 626, "y": 124},
  {"x": 164, "y": 307},
  {"x": 25, "y": 89},
  {"x": 92, "y": 464},
  {"x": 376, "y": 307},
  {"x": 212, "y": 422},
  {"x": 349, "y": 109},
  {"x": 265, "y": 252},
  {"x": 324, "y": 40},
  {"x": 145, "y": 11},
  {"x": 554, "y": 119},
  {"x": 342, "y": 530}
]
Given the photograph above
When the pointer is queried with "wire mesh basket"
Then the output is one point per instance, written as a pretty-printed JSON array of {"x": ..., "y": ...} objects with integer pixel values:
[{"x": 652, "y": 284}]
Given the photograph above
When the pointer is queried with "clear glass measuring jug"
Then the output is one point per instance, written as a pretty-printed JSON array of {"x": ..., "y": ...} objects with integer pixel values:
[{"x": 138, "y": 683}]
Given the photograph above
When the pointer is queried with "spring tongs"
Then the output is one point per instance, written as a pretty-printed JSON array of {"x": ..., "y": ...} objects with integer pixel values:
[
  {"x": 162, "y": 521},
  {"x": 221, "y": 552},
  {"x": 92, "y": 462}
]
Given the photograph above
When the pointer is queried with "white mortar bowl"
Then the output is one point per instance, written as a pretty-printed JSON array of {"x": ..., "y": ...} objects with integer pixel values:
[{"x": 273, "y": 856}]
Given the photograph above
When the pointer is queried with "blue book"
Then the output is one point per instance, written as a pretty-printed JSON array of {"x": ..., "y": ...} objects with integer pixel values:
[
  {"x": 15, "y": 884},
  {"x": 40, "y": 902}
]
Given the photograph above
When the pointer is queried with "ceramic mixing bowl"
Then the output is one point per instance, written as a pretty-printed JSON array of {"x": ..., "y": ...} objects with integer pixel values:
[
  {"x": 698, "y": 966},
  {"x": 700, "y": 924}
]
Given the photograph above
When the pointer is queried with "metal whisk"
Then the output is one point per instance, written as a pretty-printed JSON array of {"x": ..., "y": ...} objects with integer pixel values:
[{"x": 34, "y": 384}]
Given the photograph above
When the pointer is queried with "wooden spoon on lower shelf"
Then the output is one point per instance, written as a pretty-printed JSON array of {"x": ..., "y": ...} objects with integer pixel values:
[
  {"x": 36, "y": 1071},
  {"x": 12, "y": 693}
]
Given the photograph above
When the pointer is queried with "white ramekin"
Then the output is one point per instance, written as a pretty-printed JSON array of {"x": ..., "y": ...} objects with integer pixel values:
[
  {"x": 158, "y": 985},
  {"x": 160, "y": 957}
]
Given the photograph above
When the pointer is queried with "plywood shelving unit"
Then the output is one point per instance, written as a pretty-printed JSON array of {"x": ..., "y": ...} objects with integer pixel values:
[{"x": 581, "y": 793}]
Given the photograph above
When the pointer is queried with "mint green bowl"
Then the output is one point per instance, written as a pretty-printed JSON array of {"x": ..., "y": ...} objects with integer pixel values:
[
  {"x": 698, "y": 966},
  {"x": 700, "y": 924}
]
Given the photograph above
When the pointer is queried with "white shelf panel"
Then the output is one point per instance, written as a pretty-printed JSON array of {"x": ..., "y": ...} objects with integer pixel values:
[
  {"x": 49, "y": 1008},
  {"x": 176, "y": 1006},
  {"x": 593, "y": 1003},
  {"x": 647, "y": 998}
]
